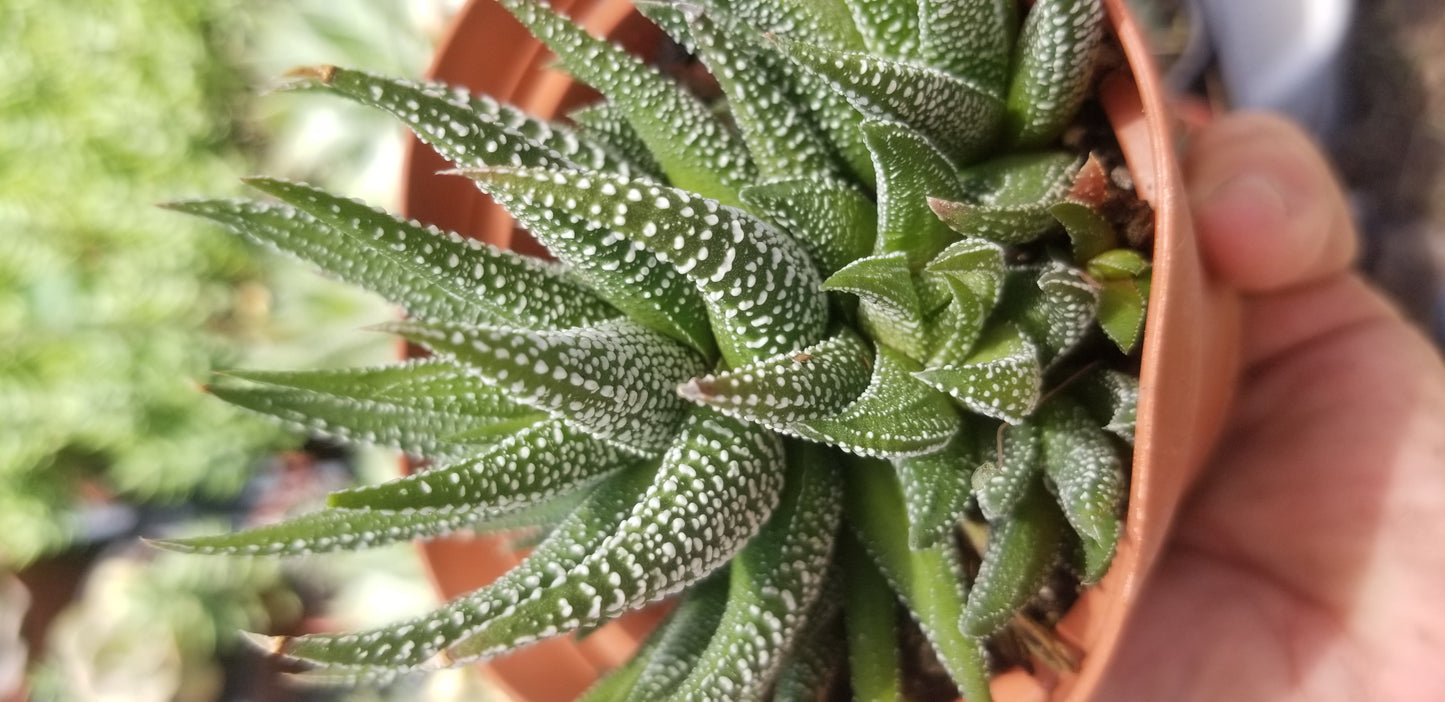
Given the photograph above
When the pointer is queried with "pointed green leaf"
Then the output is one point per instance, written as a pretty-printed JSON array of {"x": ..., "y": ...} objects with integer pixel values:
[
  {"x": 973, "y": 271},
  {"x": 471, "y": 131},
  {"x": 870, "y": 613},
  {"x": 884, "y": 278},
  {"x": 930, "y": 581},
  {"x": 1002, "y": 483},
  {"x": 331, "y": 530},
  {"x": 1040, "y": 178},
  {"x": 937, "y": 487},
  {"x": 971, "y": 39},
  {"x": 694, "y": 149},
  {"x": 1013, "y": 197},
  {"x": 1071, "y": 304},
  {"x": 891, "y": 311},
  {"x": 1055, "y": 305},
  {"x": 607, "y": 126},
  {"x": 818, "y": 381},
  {"x": 352, "y": 259},
  {"x": 1123, "y": 276},
  {"x": 427, "y": 380},
  {"x": 1097, "y": 555},
  {"x": 1053, "y": 68},
  {"x": 717, "y": 485},
  {"x": 1021, "y": 550},
  {"x": 672, "y": 19},
  {"x": 535, "y": 464},
  {"x": 836, "y": 117},
  {"x": 1089, "y": 231},
  {"x": 775, "y": 581},
  {"x": 1085, "y": 470},
  {"x": 774, "y": 124},
  {"x": 616, "y": 380},
  {"x": 896, "y": 416},
  {"x": 953, "y": 333},
  {"x": 512, "y": 289},
  {"x": 1117, "y": 264},
  {"x": 975, "y": 262},
  {"x": 1113, "y": 400},
  {"x": 889, "y": 27},
  {"x": 935, "y": 294},
  {"x": 673, "y": 649},
  {"x": 824, "y": 108},
  {"x": 422, "y": 641},
  {"x": 816, "y": 656},
  {"x": 827, "y": 21},
  {"x": 648, "y": 290},
  {"x": 911, "y": 171},
  {"x": 428, "y": 408},
  {"x": 1012, "y": 226},
  {"x": 1002, "y": 379},
  {"x": 339, "y": 529},
  {"x": 761, "y": 291},
  {"x": 641, "y": 286},
  {"x": 1121, "y": 313},
  {"x": 960, "y": 118},
  {"x": 832, "y": 220},
  {"x": 535, "y": 520},
  {"x": 714, "y": 489}
]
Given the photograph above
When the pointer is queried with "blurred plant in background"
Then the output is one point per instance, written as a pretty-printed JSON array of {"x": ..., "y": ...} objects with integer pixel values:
[
  {"x": 107, "y": 309},
  {"x": 147, "y": 628},
  {"x": 110, "y": 310}
]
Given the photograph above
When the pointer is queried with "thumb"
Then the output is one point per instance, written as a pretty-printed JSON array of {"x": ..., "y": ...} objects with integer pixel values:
[{"x": 1269, "y": 212}]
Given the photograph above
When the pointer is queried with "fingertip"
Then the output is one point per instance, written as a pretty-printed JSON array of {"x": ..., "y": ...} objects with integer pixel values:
[
  {"x": 1243, "y": 231},
  {"x": 1267, "y": 207}
]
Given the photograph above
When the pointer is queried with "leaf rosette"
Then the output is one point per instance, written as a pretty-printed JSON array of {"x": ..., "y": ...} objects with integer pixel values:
[{"x": 793, "y": 341}]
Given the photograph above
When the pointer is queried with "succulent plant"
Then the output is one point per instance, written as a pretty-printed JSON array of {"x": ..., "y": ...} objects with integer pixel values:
[{"x": 856, "y": 332}]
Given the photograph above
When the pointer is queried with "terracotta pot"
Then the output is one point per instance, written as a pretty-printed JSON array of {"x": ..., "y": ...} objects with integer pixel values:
[
  {"x": 1190, "y": 365},
  {"x": 1189, "y": 352}
]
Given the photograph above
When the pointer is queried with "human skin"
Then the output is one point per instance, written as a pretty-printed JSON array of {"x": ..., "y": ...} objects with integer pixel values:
[{"x": 1308, "y": 563}]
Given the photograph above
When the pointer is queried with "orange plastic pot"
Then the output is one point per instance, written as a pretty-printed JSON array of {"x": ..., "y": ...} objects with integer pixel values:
[
  {"x": 1190, "y": 367},
  {"x": 1189, "y": 353}
]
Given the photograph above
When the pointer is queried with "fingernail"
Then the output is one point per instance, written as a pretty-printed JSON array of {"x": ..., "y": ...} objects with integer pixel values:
[{"x": 1250, "y": 198}]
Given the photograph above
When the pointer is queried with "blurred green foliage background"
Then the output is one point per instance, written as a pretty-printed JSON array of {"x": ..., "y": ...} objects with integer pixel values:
[
  {"x": 114, "y": 312},
  {"x": 108, "y": 308}
]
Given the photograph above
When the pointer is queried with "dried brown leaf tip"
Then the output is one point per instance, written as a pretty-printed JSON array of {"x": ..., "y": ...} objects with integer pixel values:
[{"x": 323, "y": 73}]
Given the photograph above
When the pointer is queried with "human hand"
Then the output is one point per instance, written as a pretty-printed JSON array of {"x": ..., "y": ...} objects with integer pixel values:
[{"x": 1309, "y": 561}]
